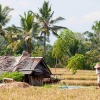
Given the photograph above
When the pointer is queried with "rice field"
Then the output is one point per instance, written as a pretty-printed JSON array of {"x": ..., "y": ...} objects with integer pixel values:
[
  {"x": 82, "y": 77},
  {"x": 53, "y": 93},
  {"x": 86, "y": 79}
]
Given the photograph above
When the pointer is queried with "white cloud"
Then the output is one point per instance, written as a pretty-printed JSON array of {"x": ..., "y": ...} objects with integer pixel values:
[
  {"x": 91, "y": 17},
  {"x": 88, "y": 18}
]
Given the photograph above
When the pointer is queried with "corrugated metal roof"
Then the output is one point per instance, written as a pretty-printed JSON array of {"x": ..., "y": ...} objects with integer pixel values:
[
  {"x": 26, "y": 72},
  {"x": 25, "y": 64}
]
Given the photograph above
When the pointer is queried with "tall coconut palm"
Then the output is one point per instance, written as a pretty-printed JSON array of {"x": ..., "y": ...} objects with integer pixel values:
[
  {"x": 29, "y": 28},
  {"x": 47, "y": 24},
  {"x": 23, "y": 34}
]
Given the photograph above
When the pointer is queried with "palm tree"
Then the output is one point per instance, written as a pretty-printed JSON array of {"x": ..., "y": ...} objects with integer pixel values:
[
  {"x": 46, "y": 23},
  {"x": 94, "y": 37},
  {"x": 96, "y": 29},
  {"x": 4, "y": 17},
  {"x": 29, "y": 28},
  {"x": 17, "y": 36}
]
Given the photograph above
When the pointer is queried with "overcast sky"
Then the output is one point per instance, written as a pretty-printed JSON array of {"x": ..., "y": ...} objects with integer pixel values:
[{"x": 79, "y": 15}]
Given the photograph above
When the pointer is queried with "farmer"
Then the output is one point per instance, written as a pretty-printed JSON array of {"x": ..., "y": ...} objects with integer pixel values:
[{"x": 97, "y": 67}]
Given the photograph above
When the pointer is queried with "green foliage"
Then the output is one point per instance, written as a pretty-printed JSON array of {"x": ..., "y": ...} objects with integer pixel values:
[
  {"x": 76, "y": 62},
  {"x": 50, "y": 60},
  {"x": 91, "y": 58},
  {"x": 61, "y": 46},
  {"x": 17, "y": 76},
  {"x": 46, "y": 86},
  {"x": 98, "y": 62},
  {"x": 4, "y": 14},
  {"x": 45, "y": 18}
]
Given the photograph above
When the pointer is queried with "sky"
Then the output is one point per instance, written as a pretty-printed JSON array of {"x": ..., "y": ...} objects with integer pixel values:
[{"x": 79, "y": 15}]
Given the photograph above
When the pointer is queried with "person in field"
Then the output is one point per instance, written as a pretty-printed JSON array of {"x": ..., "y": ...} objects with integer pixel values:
[{"x": 97, "y": 68}]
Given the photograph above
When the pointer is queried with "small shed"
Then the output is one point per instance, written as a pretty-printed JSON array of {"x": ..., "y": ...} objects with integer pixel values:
[{"x": 33, "y": 68}]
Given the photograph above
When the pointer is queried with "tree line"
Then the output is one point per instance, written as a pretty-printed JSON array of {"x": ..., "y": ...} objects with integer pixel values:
[{"x": 72, "y": 50}]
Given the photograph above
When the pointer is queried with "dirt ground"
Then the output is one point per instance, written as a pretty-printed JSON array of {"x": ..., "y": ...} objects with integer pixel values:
[{"x": 15, "y": 84}]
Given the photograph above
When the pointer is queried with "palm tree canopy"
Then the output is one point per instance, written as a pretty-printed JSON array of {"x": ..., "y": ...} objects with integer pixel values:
[
  {"x": 96, "y": 27},
  {"x": 4, "y": 15},
  {"x": 27, "y": 21},
  {"x": 45, "y": 11},
  {"x": 45, "y": 19},
  {"x": 13, "y": 29},
  {"x": 29, "y": 26}
]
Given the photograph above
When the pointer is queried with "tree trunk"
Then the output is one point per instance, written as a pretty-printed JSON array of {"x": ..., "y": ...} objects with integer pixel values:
[
  {"x": 28, "y": 45},
  {"x": 44, "y": 45},
  {"x": 56, "y": 65}
]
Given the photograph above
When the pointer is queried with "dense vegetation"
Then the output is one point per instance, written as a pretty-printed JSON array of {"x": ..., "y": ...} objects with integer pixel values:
[{"x": 71, "y": 49}]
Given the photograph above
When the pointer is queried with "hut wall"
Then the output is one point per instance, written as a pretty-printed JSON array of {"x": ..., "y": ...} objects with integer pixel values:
[
  {"x": 45, "y": 71},
  {"x": 34, "y": 80},
  {"x": 37, "y": 80}
]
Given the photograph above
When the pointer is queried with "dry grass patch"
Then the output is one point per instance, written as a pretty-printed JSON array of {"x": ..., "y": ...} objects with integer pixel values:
[
  {"x": 77, "y": 77},
  {"x": 40, "y": 93},
  {"x": 82, "y": 77},
  {"x": 78, "y": 82}
]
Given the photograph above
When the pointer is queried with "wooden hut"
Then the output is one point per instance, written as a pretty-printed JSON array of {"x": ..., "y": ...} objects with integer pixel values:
[{"x": 33, "y": 68}]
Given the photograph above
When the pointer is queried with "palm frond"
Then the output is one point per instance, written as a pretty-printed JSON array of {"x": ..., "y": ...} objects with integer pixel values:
[
  {"x": 57, "y": 20},
  {"x": 54, "y": 32},
  {"x": 13, "y": 29},
  {"x": 4, "y": 14},
  {"x": 54, "y": 27},
  {"x": 45, "y": 10},
  {"x": 15, "y": 45},
  {"x": 27, "y": 21},
  {"x": 50, "y": 16}
]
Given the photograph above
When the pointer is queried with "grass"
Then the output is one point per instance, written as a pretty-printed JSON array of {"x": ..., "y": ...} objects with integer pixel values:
[
  {"x": 53, "y": 92},
  {"x": 82, "y": 77},
  {"x": 41, "y": 93}
]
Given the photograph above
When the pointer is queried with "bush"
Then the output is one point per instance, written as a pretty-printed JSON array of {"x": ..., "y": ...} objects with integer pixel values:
[
  {"x": 17, "y": 76},
  {"x": 76, "y": 62}
]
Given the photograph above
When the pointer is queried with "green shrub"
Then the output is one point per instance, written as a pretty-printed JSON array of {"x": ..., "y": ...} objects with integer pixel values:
[
  {"x": 47, "y": 86},
  {"x": 76, "y": 62},
  {"x": 17, "y": 76}
]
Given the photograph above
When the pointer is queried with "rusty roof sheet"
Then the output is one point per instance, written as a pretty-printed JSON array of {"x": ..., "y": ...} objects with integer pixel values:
[
  {"x": 25, "y": 64},
  {"x": 28, "y": 63},
  {"x": 7, "y": 63},
  {"x": 26, "y": 72}
]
